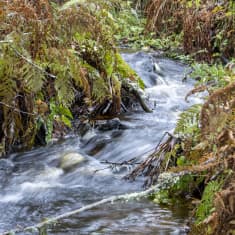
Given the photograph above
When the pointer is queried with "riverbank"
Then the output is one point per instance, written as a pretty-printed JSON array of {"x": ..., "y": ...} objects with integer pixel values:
[
  {"x": 58, "y": 64},
  {"x": 203, "y": 143}
]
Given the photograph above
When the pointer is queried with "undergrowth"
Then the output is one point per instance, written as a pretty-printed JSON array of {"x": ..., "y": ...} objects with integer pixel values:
[
  {"x": 206, "y": 26},
  {"x": 206, "y": 206},
  {"x": 131, "y": 32},
  {"x": 53, "y": 58}
]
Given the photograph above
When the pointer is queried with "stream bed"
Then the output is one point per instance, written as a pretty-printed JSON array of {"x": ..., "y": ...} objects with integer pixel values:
[{"x": 33, "y": 186}]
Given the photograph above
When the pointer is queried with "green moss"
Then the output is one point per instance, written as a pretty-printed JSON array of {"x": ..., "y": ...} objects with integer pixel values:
[
  {"x": 162, "y": 197},
  {"x": 100, "y": 90},
  {"x": 123, "y": 69},
  {"x": 185, "y": 185}
]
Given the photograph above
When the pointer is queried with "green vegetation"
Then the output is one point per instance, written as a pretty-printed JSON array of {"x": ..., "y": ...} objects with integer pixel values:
[
  {"x": 130, "y": 25},
  {"x": 206, "y": 206},
  {"x": 54, "y": 58},
  {"x": 188, "y": 123},
  {"x": 201, "y": 31},
  {"x": 176, "y": 192}
]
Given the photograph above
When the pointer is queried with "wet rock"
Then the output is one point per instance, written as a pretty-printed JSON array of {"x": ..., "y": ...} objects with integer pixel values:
[
  {"x": 71, "y": 160},
  {"x": 6, "y": 165},
  {"x": 116, "y": 133},
  {"x": 81, "y": 127},
  {"x": 107, "y": 125},
  {"x": 89, "y": 137},
  {"x": 95, "y": 147}
]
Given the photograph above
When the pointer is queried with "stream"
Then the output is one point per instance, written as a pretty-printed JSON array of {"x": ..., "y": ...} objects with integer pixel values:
[{"x": 34, "y": 187}]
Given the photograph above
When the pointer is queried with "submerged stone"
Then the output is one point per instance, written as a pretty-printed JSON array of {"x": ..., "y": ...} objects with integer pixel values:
[
  {"x": 113, "y": 124},
  {"x": 71, "y": 160}
]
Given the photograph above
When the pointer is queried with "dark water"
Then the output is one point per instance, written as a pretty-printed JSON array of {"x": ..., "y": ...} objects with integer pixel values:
[{"x": 33, "y": 186}]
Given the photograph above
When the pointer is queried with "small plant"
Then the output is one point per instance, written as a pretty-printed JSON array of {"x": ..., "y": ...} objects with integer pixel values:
[
  {"x": 188, "y": 122},
  {"x": 59, "y": 114},
  {"x": 213, "y": 76},
  {"x": 206, "y": 206}
]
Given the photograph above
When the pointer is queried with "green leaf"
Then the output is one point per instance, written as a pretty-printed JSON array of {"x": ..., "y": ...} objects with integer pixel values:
[{"x": 66, "y": 121}]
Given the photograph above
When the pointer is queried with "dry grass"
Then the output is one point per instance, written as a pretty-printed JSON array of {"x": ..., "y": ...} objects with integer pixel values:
[{"x": 164, "y": 16}]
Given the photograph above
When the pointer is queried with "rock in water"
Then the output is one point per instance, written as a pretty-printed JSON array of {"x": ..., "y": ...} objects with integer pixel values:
[
  {"x": 112, "y": 124},
  {"x": 6, "y": 165},
  {"x": 71, "y": 160}
]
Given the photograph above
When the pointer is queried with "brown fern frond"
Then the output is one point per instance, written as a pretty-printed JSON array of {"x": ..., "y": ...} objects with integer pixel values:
[
  {"x": 164, "y": 16},
  {"x": 195, "y": 90},
  {"x": 218, "y": 112}
]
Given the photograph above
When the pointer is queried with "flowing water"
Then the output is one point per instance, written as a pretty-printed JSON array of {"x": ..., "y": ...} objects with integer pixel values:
[{"x": 33, "y": 186}]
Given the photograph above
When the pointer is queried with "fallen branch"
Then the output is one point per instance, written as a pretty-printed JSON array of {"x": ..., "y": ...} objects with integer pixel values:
[
  {"x": 152, "y": 166},
  {"x": 124, "y": 163},
  {"x": 54, "y": 220}
]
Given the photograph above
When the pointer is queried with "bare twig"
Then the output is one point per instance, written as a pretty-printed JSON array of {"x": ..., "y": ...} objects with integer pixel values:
[
  {"x": 32, "y": 63},
  {"x": 130, "y": 162},
  {"x": 118, "y": 164},
  {"x": 17, "y": 110}
]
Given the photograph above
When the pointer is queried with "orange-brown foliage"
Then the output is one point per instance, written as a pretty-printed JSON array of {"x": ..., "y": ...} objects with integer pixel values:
[{"x": 207, "y": 29}]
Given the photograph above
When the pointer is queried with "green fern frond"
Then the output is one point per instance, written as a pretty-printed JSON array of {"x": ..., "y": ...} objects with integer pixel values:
[
  {"x": 188, "y": 122},
  {"x": 206, "y": 206},
  {"x": 64, "y": 88}
]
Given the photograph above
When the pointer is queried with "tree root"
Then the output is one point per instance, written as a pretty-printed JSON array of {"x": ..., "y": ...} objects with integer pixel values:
[{"x": 141, "y": 101}]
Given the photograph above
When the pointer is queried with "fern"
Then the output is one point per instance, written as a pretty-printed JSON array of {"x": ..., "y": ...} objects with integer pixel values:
[
  {"x": 65, "y": 92},
  {"x": 58, "y": 113},
  {"x": 188, "y": 122},
  {"x": 31, "y": 78},
  {"x": 52, "y": 55},
  {"x": 206, "y": 206},
  {"x": 100, "y": 90},
  {"x": 215, "y": 75}
]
